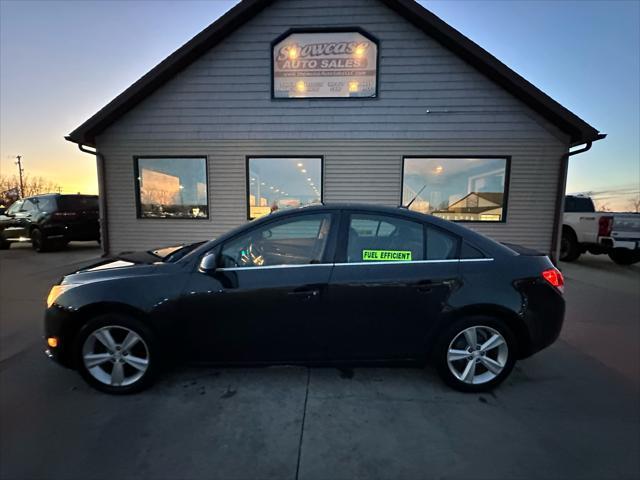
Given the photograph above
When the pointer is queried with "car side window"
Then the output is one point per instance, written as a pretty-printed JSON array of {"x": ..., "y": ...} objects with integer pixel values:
[
  {"x": 469, "y": 252},
  {"x": 441, "y": 245},
  {"x": 297, "y": 241},
  {"x": 46, "y": 204},
  {"x": 384, "y": 238},
  {"x": 28, "y": 206}
]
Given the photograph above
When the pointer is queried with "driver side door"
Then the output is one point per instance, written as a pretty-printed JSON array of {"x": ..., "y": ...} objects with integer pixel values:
[{"x": 269, "y": 288}]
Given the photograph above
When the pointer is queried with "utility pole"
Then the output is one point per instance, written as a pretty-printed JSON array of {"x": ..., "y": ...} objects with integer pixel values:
[{"x": 20, "y": 171}]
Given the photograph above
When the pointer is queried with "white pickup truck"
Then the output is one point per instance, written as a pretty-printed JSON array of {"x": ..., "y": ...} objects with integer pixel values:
[{"x": 585, "y": 230}]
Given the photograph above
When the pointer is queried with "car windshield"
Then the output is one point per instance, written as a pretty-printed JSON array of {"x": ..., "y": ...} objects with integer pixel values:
[{"x": 75, "y": 203}]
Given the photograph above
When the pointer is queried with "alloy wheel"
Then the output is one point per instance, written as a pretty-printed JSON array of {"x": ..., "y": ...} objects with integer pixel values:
[
  {"x": 477, "y": 355},
  {"x": 115, "y": 356}
]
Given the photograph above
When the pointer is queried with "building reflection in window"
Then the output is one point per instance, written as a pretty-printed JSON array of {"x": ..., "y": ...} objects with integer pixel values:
[
  {"x": 172, "y": 187},
  {"x": 277, "y": 183},
  {"x": 457, "y": 189}
]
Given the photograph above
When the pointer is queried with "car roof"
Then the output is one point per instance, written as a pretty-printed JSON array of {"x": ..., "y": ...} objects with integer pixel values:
[{"x": 60, "y": 195}]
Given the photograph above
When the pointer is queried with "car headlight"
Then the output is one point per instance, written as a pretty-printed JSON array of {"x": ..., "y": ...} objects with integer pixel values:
[{"x": 56, "y": 291}]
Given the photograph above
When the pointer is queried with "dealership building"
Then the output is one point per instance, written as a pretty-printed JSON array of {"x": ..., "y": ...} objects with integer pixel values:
[{"x": 281, "y": 103}]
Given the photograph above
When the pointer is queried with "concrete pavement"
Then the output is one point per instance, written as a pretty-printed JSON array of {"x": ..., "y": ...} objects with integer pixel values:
[{"x": 571, "y": 411}]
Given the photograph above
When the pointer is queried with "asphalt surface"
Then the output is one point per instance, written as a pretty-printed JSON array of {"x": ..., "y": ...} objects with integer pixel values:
[{"x": 572, "y": 411}]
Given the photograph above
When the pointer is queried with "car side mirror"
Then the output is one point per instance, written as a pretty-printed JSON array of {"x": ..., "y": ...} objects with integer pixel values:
[{"x": 208, "y": 263}]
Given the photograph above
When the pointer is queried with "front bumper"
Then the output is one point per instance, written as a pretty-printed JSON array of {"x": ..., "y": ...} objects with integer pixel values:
[{"x": 60, "y": 324}]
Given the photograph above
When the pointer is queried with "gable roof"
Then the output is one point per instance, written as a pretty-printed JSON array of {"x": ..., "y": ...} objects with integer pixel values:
[
  {"x": 578, "y": 130},
  {"x": 492, "y": 197}
]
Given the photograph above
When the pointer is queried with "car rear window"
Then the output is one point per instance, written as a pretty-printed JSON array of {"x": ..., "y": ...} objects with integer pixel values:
[{"x": 77, "y": 203}]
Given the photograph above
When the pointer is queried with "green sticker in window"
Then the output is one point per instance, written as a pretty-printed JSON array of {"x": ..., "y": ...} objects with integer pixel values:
[{"x": 386, "y": 255}]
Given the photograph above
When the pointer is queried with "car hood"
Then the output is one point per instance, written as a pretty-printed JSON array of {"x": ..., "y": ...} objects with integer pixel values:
[{"x": 127, "y": 264}]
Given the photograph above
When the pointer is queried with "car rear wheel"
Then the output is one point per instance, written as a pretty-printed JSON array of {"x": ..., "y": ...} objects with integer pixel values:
[
  {"x": 4, "y": 245},
  {"x": 116, "y": 354},
  {"x": 569, "y": 248},
  {"x": 476, "y": 354}
]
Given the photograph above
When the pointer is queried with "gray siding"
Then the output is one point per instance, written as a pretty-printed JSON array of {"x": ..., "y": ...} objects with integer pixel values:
[{"x": 220, "y": 106}]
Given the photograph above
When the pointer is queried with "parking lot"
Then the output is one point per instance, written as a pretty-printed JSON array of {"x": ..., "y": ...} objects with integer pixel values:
[{"x": 572, "y": 411}]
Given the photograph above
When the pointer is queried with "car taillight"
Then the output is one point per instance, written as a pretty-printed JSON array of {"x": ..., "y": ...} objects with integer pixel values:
[
  {"x": 64, "y": 215},
  {"x": 605, "y": 225},
  {"x": 554, "y": 277}
]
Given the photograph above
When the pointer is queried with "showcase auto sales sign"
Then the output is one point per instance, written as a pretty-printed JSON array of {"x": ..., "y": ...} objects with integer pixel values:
[{"x": 325, "y": 65}]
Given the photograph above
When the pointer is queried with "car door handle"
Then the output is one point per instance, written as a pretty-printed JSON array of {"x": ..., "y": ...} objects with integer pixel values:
[
  {"x": 426, "y": 286},
  {"x": 305, "y": 293}
]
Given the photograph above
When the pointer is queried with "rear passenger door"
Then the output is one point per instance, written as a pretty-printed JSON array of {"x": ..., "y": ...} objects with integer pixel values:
[{"x": 391, "y": 281}]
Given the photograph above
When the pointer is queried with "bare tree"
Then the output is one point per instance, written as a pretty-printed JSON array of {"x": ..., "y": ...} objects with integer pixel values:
[
  {"x": 635, "y": 204},
  {"x": 603, "y": 207},
  {"x": 32, "y": 186}
]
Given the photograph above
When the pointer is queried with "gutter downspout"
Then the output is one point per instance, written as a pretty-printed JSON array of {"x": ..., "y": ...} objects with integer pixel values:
[
  {"x": 102, "y": 201},
  {"x": 561, "y": 192}
]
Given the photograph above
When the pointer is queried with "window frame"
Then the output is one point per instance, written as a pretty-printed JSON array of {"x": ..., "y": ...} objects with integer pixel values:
[
  {"x": 329, "y": 254},
  {"x": 136, "y": 180},
  {"x": 247, "y": 179},
  {"x": 507, "y": 182}
]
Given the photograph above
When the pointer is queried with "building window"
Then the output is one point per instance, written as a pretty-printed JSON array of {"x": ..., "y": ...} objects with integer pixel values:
[
  {"x": 172, "y": 187},
  {"x": 277, "y": 183},
  {"x": 457, "y": 189}
]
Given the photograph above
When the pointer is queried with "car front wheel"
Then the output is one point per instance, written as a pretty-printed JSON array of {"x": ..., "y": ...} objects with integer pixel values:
[
  {"x": 116, "y": 354},
  {"x": 476, "y": 354}
]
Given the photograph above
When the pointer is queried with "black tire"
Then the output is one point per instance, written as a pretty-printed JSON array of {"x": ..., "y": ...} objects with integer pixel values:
[
  {"x": 569, "y": 247},
  {"x": 4, "y": 245},
  {"x": 39, "y": 242},
  {"x": 624, "y": 256},
  {"x": 117, "y": 322},
  {"x": 440, "y": 353}
]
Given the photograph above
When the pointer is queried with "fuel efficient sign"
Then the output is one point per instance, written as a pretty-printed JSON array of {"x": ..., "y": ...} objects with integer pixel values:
[{"x": 325, "y": 65}]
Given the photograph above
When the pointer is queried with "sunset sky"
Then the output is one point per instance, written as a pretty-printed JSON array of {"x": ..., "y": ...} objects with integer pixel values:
[{"x": 61, "y": 61}]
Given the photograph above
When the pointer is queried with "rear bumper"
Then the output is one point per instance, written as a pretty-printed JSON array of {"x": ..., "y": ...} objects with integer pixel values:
[
  {"x": 627, "y": 243},
  {"x": 543, "y": 314}
]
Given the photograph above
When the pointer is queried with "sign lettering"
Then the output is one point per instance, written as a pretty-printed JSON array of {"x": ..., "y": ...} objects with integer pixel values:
[{"x": 325, "y": 65}]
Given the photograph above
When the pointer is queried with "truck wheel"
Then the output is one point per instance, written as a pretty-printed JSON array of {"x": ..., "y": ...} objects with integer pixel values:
[
  {"x": 624, "y": 256},
  {"x": 569, "y": 248}
]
